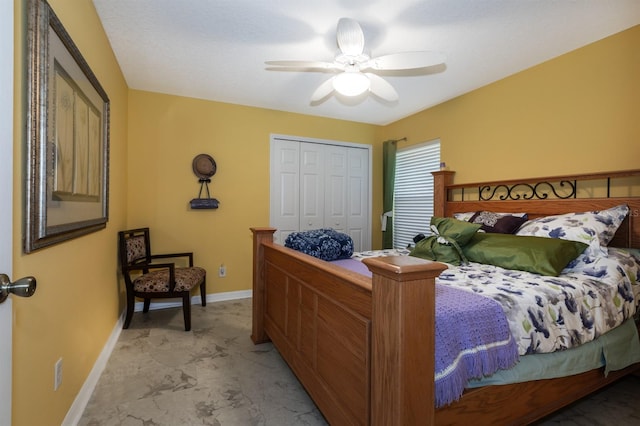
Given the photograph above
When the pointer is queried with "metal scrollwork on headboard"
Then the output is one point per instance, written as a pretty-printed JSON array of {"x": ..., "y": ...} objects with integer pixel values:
[{"x": 527, "y": 191}]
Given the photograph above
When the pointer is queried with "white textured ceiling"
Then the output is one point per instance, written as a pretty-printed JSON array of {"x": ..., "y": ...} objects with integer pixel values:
[{"x": 216, "y": 49}]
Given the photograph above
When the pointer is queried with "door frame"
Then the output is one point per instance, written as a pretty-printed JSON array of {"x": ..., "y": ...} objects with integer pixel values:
[{"x": 6, "y": 200}]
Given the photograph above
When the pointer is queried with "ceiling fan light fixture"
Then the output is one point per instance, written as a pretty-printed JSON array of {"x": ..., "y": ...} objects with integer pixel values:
[
  {"x": 357, "y": 72},
  {"x": 351, "y": 83}
]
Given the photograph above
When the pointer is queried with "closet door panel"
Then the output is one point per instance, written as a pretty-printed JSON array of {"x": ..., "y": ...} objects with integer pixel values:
[
  {"x": 285, "y": 188},
  {"x": 311, "y": 186},
  {"x": 358, "y": 198},
  {"x": 335, "y": 205}
]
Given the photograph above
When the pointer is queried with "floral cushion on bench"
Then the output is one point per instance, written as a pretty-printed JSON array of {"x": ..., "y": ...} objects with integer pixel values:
[{"x": 326, "y": 243}]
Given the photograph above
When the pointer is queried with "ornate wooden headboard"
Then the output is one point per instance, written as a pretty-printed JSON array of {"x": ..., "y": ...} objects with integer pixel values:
[{"x": 546, "y": 196}]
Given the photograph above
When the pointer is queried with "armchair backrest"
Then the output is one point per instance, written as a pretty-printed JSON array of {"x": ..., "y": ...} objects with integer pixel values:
[{"x": 134, "y": 246}]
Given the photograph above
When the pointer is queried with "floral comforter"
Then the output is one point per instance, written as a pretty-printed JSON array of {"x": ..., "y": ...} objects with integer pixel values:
[{"x": 547, "y": 314}]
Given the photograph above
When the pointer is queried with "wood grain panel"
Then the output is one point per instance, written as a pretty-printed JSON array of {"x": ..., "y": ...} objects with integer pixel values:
[
  {"x": 308, "y": 326},
  {"x": 343, "y": 356},
  {"x": 523, "y": 403},
  {"x": 276, "y": 296},
  {"x": 403, "y": 342},
  {"x": 325, "y": 342}
]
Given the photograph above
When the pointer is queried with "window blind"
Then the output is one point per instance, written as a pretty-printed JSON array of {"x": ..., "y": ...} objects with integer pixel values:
[{"x": 413, "y": 191}]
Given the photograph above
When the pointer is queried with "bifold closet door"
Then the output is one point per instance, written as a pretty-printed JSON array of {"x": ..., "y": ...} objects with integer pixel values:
[{"x": 316, "y": 185}]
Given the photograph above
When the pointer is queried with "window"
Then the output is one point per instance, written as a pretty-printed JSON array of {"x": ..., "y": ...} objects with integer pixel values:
[{"x": 413, "y": 191}]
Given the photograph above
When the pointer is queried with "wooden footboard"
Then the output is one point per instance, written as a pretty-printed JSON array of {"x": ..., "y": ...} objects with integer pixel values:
[
  {"x": 321, "y": 325},
  {"x": 352, "y": 341}
]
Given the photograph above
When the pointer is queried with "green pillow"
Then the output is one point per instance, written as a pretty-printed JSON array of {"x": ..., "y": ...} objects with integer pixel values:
[
  {"x": 429, "y": 248},
  {"x": 459, "y": 230},
  {"x": 456, "y": 233},
  {"x": 540, "y": 255}
]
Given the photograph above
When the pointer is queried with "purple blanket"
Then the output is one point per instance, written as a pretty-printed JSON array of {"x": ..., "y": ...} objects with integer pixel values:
[
  {"x": 472, "y": 337},
  {"x": 472, "y": 340}
]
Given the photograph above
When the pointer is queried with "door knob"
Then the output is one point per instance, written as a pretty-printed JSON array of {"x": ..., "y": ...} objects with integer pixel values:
[{"x": 24, "y": 287}]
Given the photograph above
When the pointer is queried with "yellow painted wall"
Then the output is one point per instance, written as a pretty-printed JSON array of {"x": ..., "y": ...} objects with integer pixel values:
[
  {"x": 577, "y": 113},
  {"x": 167, "y": 132},
  {"x": 77, "y": 302}
]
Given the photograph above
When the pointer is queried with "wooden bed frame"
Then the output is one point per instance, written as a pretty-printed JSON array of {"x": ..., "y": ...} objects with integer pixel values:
[{"x": 353, "y": 342}]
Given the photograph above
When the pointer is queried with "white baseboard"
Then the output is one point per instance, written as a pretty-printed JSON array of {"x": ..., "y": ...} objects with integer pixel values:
[
  {"x": 195, "y": 300},
  {"x": 82, "y": 399}
]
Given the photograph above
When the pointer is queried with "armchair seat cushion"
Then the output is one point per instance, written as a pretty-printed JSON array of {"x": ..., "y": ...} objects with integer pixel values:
[{"x": 158, "y": 281}]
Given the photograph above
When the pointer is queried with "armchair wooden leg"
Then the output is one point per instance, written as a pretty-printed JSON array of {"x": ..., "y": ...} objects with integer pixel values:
[
  {"x": 186, "y": 310},
  {"x": 203, "y": 292},
  {"x": 147, "y": 302}
]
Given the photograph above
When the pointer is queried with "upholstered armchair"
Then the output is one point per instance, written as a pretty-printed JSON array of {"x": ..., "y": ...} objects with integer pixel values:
[{"x": 146, "y": 279}]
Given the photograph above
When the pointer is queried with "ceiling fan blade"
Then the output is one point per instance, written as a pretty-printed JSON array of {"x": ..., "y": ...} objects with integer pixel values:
[
  {"x": 323, "y": 90},
  {"x": 381, "y": 88},
  {"x": 302, "y": 64},
  {"x": 350, "y": 37},
  {"x": 405, "y": 61}
]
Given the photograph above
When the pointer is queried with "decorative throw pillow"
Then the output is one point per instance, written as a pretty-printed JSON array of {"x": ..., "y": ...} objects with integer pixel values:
[
  {"x": 459, "y": 230},
  {"x": 431, "y": 249},
  {"x": 466, "y": 216},
  {"x": 445, "y": 246},
  {"x": 501, "y": 223},
  {"x": 544, "y": 256},
  {"x": 326, "y": 244},
  {"x": 595, "y": 228}
]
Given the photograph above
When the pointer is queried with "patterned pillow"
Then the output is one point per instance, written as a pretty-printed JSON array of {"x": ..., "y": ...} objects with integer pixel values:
[
  {"x": 468, "y": 215},
  {"x": 499, "y": 223},
  {"x": 595, "y": 228},
  {"x": 326, "y": 244}
]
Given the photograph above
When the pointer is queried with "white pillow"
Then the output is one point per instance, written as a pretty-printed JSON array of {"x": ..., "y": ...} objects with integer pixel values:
[{"x": 595, "y": 228}]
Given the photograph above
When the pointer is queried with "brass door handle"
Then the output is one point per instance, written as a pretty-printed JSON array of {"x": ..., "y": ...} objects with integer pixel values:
[{"x": 24, "y": 287}]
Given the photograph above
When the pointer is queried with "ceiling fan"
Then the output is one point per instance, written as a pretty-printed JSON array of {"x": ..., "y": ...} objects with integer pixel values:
[{"x": 356, "y": 69}]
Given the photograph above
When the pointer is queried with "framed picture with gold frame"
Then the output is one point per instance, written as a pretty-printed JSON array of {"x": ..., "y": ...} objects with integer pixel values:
[{"x": 67, "y": 137}]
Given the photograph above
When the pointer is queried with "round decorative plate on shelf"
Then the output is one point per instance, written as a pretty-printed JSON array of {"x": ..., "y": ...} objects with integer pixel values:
[{"x": 204, "y": 166}]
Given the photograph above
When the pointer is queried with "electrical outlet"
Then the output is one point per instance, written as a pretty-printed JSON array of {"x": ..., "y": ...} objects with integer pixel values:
[
  {"x": 222, "y": 272},
  {"x": 57, "y": 375}
]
